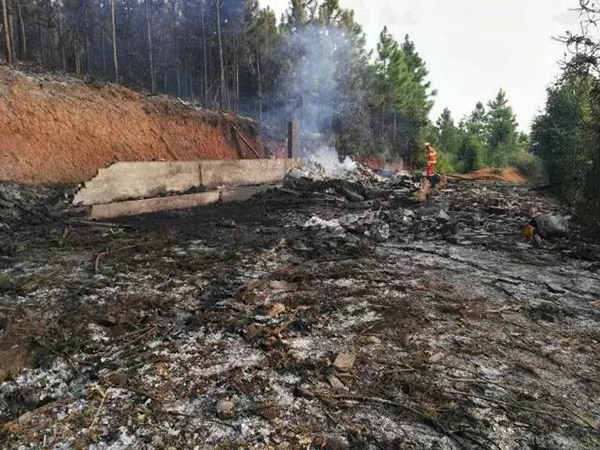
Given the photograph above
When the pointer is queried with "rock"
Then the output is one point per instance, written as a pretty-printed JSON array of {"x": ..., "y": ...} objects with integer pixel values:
[
  {"x": 443, "y": 216},
  {"x": 555, "y": 288},
  {"x": 352, "y": 196},
  {"x": 549, "y": 226},
  {"x": 251, "y": 333},
  {"x": 381, "y": 233},
  {"x": 31, "y": 398},
  {"x": 225, "y": 409},
  {"x": 253, "y": 284},
  {"x": 336, "y": 383},
  {"x": 435, "y": 358},
  {"x": 374, "y": 340},
  {"x": 282, "y": 286},
  {"x": 116, "y": 378},
  {"x": 276, "y": 309},
  {"x": 344, "y": 361},
  {"x": 270, "y": 412}
]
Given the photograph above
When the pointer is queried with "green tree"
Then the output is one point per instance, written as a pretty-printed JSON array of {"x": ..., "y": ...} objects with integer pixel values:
[
  {"x": 563, "y": 136},
  {"x": 402, "y": 94},
  {"x": 417, "y": 98},
  {"x": 501, "y": 128},
  {"x": 476, "y": 122},
  {"x": 472, "y": 153},
  {"x": 449, "y": 133}
]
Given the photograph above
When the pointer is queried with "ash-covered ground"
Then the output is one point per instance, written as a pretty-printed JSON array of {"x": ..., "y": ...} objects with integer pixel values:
[{"x": 361, "y": 314}]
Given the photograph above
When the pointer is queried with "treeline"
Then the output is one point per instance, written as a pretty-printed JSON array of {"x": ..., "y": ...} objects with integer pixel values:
[
  {"x": 566, "y": 136},
  {"x": 310, "y": 64},
  {"x": 488, "y": 136}
]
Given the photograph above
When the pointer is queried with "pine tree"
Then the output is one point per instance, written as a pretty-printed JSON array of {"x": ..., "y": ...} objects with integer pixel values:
[
  {"x": 501, "y": 130},
  {"x": 449, "y": 134},
  {"x": 402, "y": 93},
  {"x": 476, "y": 122},
  {"x": 418, "y": 98}
]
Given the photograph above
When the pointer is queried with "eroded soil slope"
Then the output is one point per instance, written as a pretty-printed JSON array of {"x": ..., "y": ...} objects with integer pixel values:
[{"x": 62, "y": 130}]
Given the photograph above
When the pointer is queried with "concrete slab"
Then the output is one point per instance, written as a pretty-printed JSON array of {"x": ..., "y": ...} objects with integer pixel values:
[
  {"x": 130, "y": 180},
  {"x": 244, "y": 172},
  {"x": 135, "y": 207},
  {"x": 138, "y": 180}
]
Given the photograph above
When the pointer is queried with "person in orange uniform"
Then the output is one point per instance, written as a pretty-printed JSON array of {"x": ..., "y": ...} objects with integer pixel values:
[{"x": 431, "y": 159}]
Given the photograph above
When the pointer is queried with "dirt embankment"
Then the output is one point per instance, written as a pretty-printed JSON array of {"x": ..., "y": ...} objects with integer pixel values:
[
  {"x": 62, "y": 130},
  {"x": 505, "y": 175}
]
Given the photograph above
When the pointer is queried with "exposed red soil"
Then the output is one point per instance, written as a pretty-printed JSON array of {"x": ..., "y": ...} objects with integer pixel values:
[
  {"x": 507, "y": 175},
  {"x": 62, "y": 130}
]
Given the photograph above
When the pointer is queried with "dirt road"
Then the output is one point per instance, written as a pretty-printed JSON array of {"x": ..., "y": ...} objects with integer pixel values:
[{"x": 453, "y": 331}]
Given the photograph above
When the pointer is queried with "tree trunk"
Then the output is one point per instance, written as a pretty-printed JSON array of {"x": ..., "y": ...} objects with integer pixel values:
[
  {"x": 204, "y": 57},
  {"x": 221, "y": 63},
  {"x": 7, "y": 44},
  {"x": 114, "y": 40},
  {"x": 258, "y": 76},
  {"x": 61, "y": 43},
  {"x": 76, "y": 55},
  {"x": 87, "y": 39},
  {"x": 39, "y": 30},
  {"x": 103, "y": 52},
  {"x": 382, "y": 120},
  {"x": 150, "y": 50},
  {"x": 23, "y": 33},
  {"x": 12, "y": 39},
  {"x": 237, "y": 78}
]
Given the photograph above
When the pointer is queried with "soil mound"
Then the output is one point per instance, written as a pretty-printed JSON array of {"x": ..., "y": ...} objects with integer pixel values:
[
  {"x": 59, "y": 129},
  {"x": 507, "y": 175}
]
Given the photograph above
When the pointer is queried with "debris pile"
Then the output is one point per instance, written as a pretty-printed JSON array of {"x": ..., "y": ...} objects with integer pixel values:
[{"x": 411, "y": 317}]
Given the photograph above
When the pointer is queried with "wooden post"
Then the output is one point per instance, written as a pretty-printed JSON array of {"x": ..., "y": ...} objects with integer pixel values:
[{"x": 293, "y": 139}]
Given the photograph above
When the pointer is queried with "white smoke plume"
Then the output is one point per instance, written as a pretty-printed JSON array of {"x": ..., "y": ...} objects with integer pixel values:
[
  {"x": 327, "y": 158},
  {"x": 323, "y": 57}
]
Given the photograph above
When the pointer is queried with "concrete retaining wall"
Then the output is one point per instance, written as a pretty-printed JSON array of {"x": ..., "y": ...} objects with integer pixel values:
[
  {"x": 138, "y": 180},
  {"x": 135, "y": 207},
  {"x": 244, "y": 172}
]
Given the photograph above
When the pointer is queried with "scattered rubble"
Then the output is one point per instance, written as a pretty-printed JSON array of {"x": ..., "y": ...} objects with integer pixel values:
[{"x": 307, "y": 317}]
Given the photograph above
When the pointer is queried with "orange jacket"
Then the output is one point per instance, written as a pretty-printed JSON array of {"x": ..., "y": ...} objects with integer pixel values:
[{"x": 431, "y": 156}]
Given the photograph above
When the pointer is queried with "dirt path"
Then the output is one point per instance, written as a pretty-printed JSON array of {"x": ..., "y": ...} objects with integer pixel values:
[{"x": 464, "y": 336}]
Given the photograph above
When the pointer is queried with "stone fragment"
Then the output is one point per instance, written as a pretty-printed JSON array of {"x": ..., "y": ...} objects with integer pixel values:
[
  {"x": 549, "y": 226},
  {"x": 276, "y": 309},
  {"x": 344, "y": 361},
  {"x": 225, "y": 409},
  {"x": 374, "y": 340},
  {"x": 435, "y": 358},
  {"x": 336, "y": 383},
  {"x": 443, "y": 216}
]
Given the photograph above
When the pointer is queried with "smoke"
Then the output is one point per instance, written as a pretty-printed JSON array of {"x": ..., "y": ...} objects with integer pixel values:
[
  {"x": 327, "y": 158},
  {"x": 320, "y": 57},
  {"x": 316, "y": 83}
]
